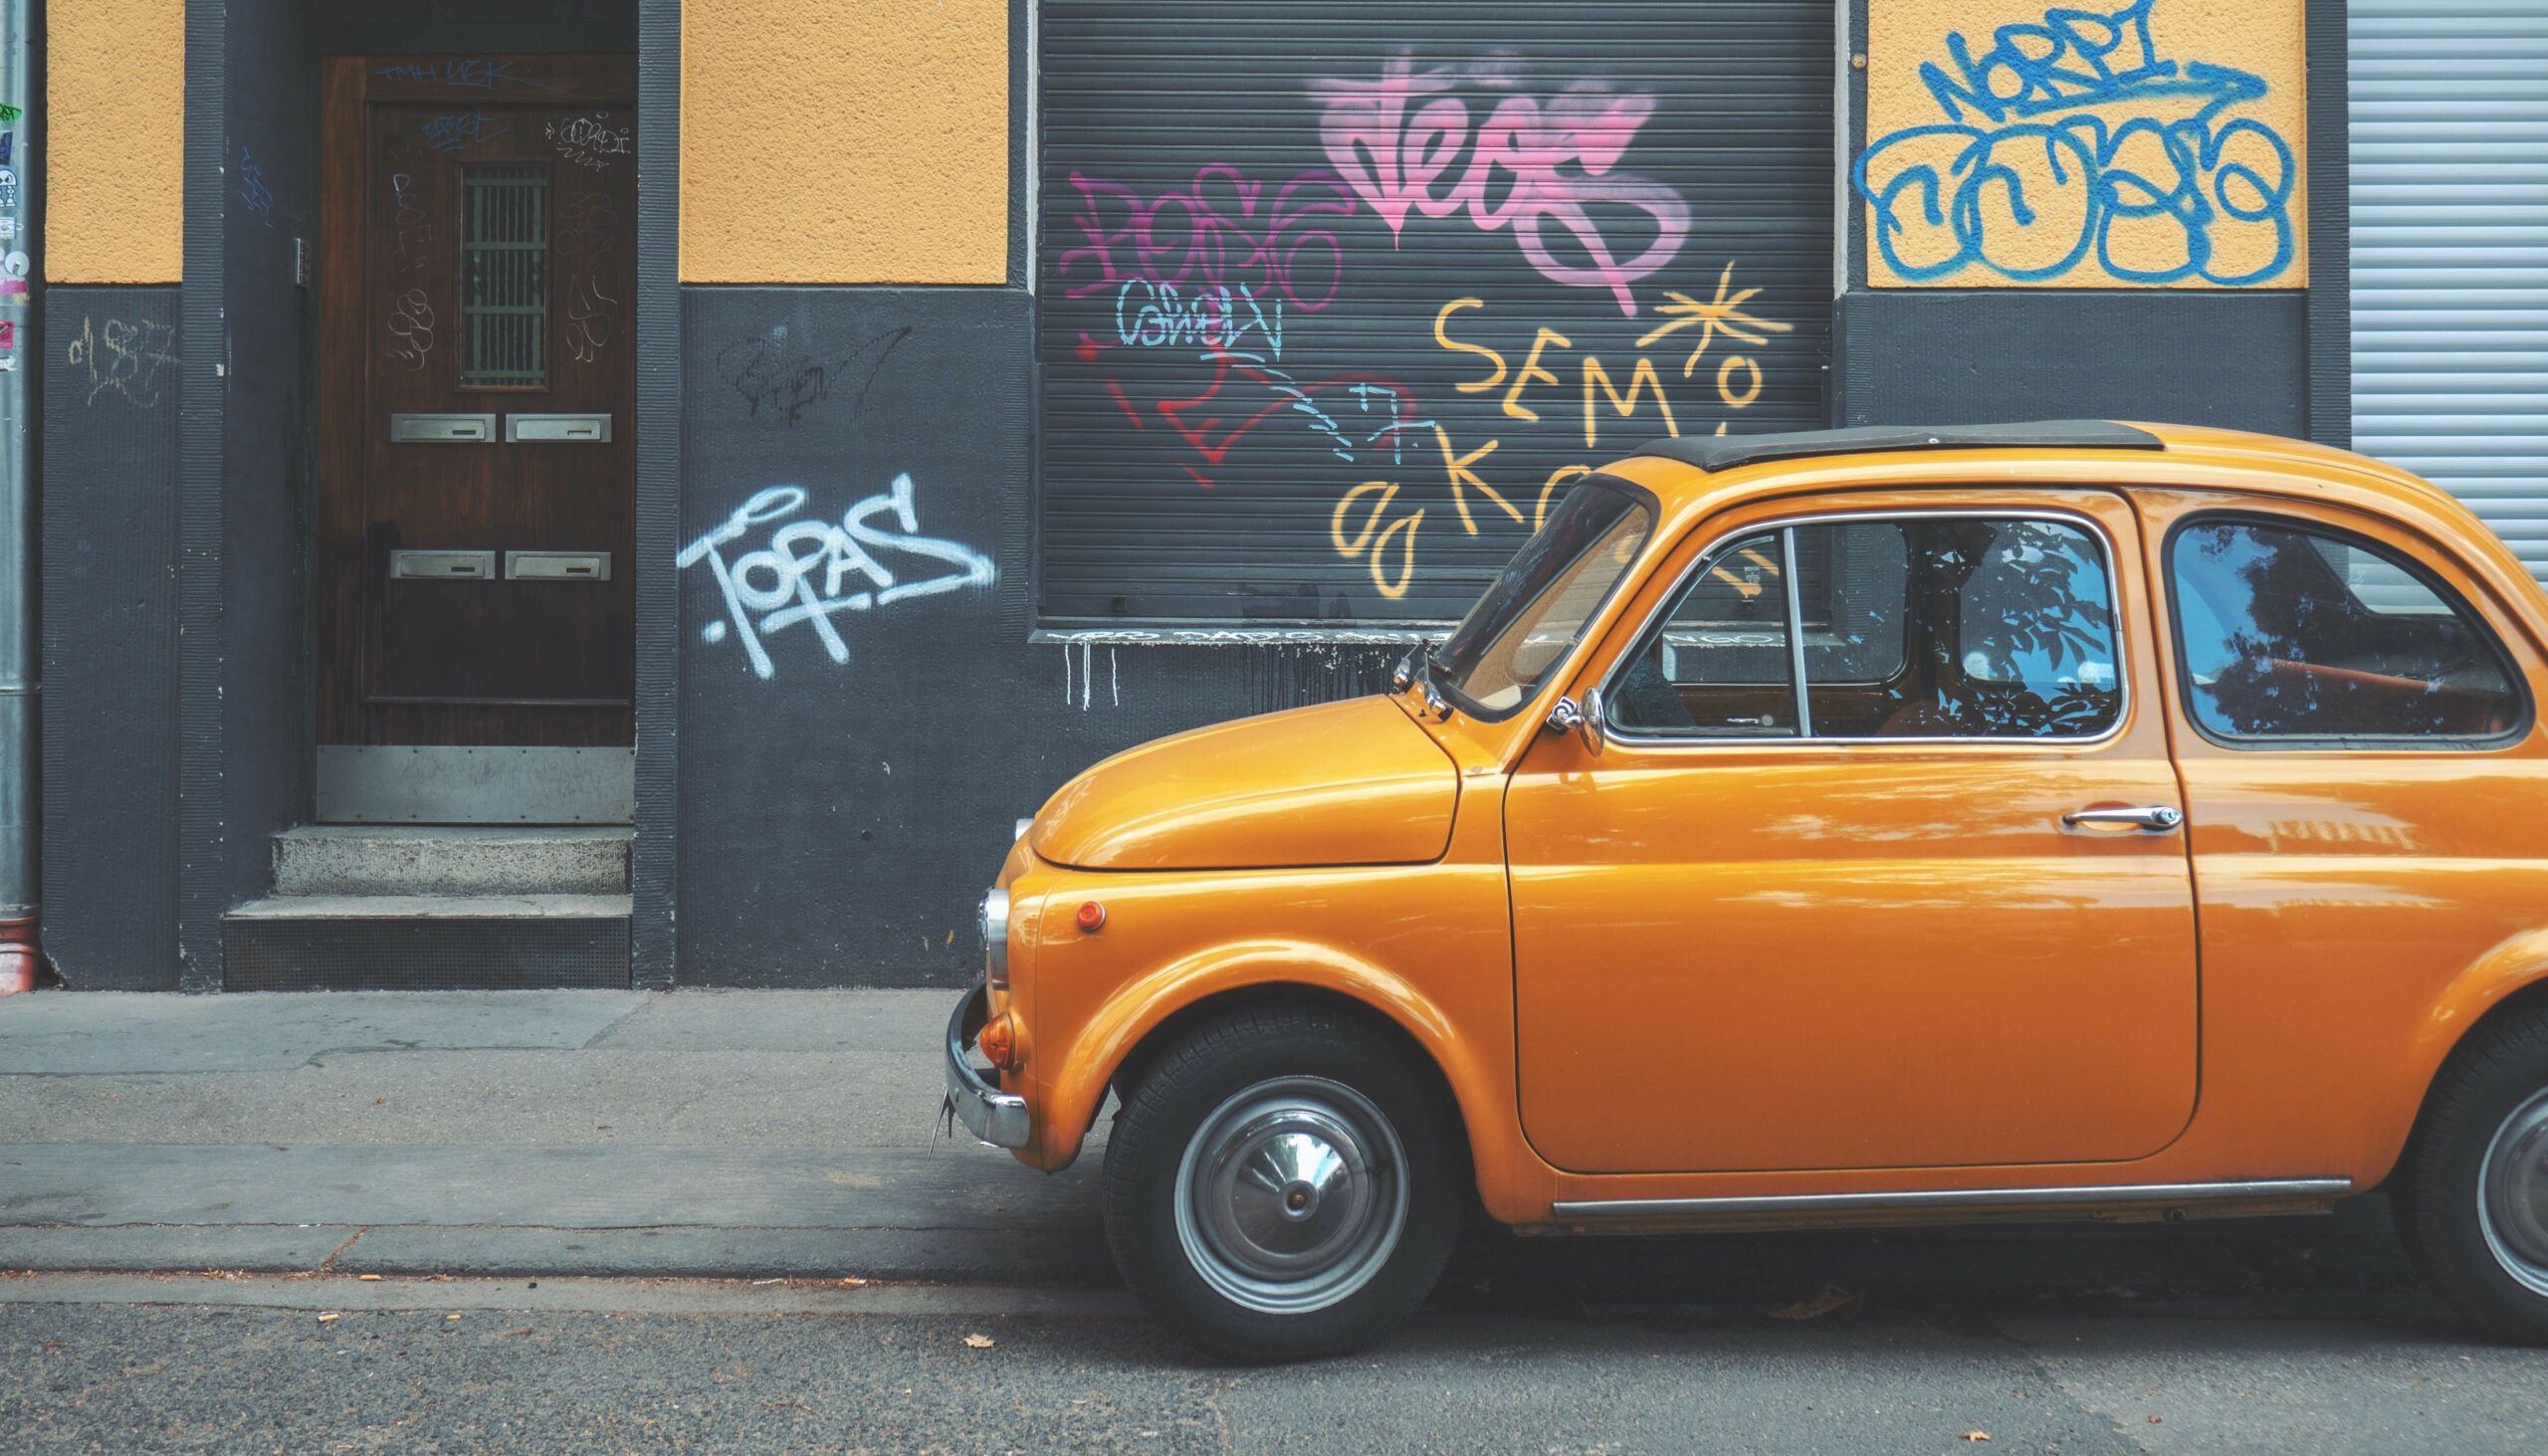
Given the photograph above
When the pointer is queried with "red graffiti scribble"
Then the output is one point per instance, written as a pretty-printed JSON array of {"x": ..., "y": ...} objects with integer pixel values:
[
  {"x": 1220, "y": 233},
  {"x": 1392, "y": 161},
  {"x": 1214, "y": 445}
]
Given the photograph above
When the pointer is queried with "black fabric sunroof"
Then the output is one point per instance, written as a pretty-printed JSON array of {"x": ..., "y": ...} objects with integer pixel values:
[{"x": 1724, "y": 452}]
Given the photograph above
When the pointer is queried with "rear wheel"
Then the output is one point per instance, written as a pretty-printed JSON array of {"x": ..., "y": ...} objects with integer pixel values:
[
  {"x": 2471, "y": 1193},
  {"x": 1282, "y": 1184}
]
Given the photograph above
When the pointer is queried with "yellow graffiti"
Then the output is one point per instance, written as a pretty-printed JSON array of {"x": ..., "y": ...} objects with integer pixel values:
[
  {"x": 1531, "y": 370},
  {"x": 1463, "y": 477},
  {"x": 1720, "y": 314},
  {"x": 1642, "y": 380},
  {"x": 1403, "y": 527},
  {"x": 1470, "y": 386},
  {"x": 1743, "y": 588},
  {"x": 1361, "y": 528},
  {"x": 1725, "y": 373},
  {"x": 1564, "y": 472}
]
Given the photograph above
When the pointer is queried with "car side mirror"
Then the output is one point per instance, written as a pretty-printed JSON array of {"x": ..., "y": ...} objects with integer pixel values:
[{"x": 1569, "y": 717}]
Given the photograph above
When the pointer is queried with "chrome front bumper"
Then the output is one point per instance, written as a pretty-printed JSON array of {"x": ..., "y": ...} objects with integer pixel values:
[{"x": 997, "y": 1117}]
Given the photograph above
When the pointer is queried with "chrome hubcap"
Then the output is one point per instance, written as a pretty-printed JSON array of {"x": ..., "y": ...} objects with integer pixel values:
[
  {"x": 1291, "y": 1195},
  {"x": 2513, "y": 1193}
]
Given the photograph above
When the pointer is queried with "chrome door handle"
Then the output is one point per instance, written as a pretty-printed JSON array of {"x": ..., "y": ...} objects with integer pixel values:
[{"x": 2159, "y": 817}]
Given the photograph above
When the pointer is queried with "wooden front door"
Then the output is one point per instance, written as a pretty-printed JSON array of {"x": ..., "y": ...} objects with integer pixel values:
[{"x": 476, "y": 510}]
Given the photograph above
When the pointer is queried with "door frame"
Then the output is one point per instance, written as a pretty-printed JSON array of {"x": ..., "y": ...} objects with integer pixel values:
[{"x": 243, "y": 738}]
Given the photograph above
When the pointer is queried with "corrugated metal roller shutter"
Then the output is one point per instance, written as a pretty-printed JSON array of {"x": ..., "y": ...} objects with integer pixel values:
[
  {"x": 2449, "y": 153},
  {"x": 1332, "y": 292}
]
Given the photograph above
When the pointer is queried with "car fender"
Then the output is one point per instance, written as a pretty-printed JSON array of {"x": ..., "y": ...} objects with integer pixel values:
[
  {"x": 1139, "y": 1006},
  {"x": 2512, "y": 965}
]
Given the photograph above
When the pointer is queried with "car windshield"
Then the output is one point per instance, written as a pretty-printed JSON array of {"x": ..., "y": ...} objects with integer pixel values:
[{"x": 1535, "y": 610}]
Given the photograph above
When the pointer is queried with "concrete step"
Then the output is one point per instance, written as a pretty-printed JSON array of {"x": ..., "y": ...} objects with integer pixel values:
[
  {"x": 454, "y": 860},
  {"x": 426, "y": 943}
]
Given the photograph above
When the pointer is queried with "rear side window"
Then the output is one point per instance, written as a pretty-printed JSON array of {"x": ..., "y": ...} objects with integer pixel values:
[{"x": 2286, "y": 633}]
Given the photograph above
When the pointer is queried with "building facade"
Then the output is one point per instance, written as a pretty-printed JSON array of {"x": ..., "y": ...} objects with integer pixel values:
[{"x": 806, "y": 434}]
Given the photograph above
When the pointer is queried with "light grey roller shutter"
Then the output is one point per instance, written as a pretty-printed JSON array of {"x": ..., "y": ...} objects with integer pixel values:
[{"x": 2449, "y": 149}]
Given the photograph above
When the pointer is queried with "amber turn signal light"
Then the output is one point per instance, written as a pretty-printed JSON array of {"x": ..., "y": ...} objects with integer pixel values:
[
  {"x": 1090, "y": 914},
  {"x": 999, "y": 1042}
]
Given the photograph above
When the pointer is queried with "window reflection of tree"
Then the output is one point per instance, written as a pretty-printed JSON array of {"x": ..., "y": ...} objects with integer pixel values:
[
  {"x": 2299, "y": 654},
  {"x": 2044, "y": 622}
]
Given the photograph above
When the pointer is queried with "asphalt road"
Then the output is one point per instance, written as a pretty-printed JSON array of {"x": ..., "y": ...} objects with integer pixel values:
[{"x": 726, "y": 1367}]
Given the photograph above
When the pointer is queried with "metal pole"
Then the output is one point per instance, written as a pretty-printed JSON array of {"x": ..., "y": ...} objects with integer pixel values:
[{"x": 20, "y": 891}]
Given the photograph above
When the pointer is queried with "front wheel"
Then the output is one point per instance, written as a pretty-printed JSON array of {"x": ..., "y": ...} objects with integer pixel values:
[
  {"x": 1281, "y": 1184},
  {"x": 2471, "y": 1194}
]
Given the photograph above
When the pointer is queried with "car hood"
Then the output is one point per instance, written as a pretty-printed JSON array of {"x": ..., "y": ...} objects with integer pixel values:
[{"x": 1355, "y": 782}]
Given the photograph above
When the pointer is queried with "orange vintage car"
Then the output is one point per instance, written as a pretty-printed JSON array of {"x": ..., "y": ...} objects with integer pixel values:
[{"x": 2069, "y": 820}]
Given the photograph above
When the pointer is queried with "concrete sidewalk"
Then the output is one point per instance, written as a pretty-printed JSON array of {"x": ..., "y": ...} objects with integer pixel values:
[
  {"x": 695, "y": 1132},
  {"x": 789, "y": 1133}
]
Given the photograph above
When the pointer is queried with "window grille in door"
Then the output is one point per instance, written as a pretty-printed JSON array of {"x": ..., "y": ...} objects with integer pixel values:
[{"x": 504, "y": 261}]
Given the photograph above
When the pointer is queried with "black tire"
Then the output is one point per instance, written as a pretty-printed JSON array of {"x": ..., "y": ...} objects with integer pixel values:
[
  {"x": 2470, "y": 1194},
  {"x": 1287, "y": 1267}
]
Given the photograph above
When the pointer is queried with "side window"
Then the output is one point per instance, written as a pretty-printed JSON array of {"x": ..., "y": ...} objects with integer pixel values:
[
  {"x": 1908, "y": 627},
  {"x": 1719, "y": 665},
  {"x": 2285, "y": 633}
]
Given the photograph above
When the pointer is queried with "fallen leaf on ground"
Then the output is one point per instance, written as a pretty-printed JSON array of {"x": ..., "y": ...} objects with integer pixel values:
[
  {"x": 1977, "y": 1435},
  {"x": 981, "y": 1342},
  {"x": 854, "y": 1283},
  {"x": 524, "y": 1331},
  {"x": 1833, "y": 1297}
]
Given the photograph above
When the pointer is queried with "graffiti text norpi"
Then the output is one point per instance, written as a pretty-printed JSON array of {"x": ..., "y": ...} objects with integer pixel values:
[{"x": 2075, "y": 152}]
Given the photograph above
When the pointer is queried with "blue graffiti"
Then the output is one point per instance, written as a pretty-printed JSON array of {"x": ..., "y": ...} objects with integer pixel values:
[
  {"x": 462, "y": 130},
  {"x": 472, "y": 73},
  {"x": 253, "y": 189},
  {"x": 2216, "y": 181}
]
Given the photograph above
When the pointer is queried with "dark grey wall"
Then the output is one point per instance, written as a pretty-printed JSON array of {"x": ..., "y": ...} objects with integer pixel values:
[
  {"x": 378, "y": 26},
  {"x": 109, "y": 636},
  {"x": 1925, "y": 356},
  {"x": 267, "y": 444},
  {"x": 838, "y": 819}
]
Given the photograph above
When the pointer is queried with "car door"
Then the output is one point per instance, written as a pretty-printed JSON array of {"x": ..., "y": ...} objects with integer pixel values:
[{"x": 1855, "y": 926}]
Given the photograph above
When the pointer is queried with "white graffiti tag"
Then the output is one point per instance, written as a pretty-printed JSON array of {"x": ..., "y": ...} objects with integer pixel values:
[{"x": 805, "y": 573}]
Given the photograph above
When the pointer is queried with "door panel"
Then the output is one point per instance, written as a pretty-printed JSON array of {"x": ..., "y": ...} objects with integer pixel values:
[
  {"x": 1856, "y": 953},
  {"x": 480, "y": 270}
]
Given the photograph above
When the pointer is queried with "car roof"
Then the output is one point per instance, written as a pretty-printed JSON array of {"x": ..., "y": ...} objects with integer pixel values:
[
  {"x": 1708, "y": 473},
  {"x": 1694, "y": 477},
  {"x": 1724, "y": 452}
]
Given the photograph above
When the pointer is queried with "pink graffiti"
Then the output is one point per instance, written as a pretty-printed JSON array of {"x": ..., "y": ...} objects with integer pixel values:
[
  {"x": 1220, "y": 233},
  {"x": 1393, "y": 160}
]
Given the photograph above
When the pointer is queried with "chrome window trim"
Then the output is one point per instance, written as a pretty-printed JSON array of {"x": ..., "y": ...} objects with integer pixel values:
[
  {"x": 1795, "y": 637},
  {"x": 1954, "y": 1199}
]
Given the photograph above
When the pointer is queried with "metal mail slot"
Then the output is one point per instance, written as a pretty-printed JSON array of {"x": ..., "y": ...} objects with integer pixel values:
[
  {"x": 442, "y": 565},
  {"x": 444, "y": 429},
  {"x": 556, "y": 565},
  {"x": 559, "y": 429}
]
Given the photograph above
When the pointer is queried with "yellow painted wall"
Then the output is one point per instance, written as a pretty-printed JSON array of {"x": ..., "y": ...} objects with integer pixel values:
[
  {"x": 114, "y": 211},
  {"x": 2057, "y": 86},
  {"x": 844, "y": 141}
]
